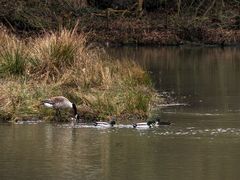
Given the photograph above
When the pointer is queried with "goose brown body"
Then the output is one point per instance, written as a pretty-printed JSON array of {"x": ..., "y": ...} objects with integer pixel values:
[
  {"x": 57, "y": 102},
  {"x": 60, "y": 102}
]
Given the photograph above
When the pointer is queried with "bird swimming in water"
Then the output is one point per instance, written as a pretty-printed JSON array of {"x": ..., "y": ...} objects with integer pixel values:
[
  {"x": 105, "y": 124},
  {"x": 151, "y": 123},
  {"x": 148, "y": 124},
  {"x": 60, "y": 102},
  {"x": 162, "y": 123}
]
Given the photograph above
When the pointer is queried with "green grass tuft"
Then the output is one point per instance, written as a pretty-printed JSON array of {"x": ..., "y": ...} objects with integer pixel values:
[
  {"x": 12, "y": 63},
  {"x": 60, "y": 64}
]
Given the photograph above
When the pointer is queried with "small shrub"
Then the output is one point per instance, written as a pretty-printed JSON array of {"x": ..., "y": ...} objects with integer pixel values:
[{"x": 52, "y": 54}]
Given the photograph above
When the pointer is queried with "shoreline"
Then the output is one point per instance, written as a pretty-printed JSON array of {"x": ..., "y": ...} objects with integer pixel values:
[
  {"x": 164, "y": 38},
  {"x": 60, "y": 63}
]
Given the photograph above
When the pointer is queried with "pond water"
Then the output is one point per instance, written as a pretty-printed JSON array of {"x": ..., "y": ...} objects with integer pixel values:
[{"x": 203, "y": 142}]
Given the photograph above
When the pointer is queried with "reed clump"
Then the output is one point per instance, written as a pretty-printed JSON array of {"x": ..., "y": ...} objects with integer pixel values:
[
  {"x": 60, "y": 63},
  {"x": 12, "y": 55}
]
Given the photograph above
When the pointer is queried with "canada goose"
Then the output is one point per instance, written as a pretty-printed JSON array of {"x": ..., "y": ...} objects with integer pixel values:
[
  {"x": 60, "y": 102},
  {"x": 162, "y": 123},
  {"x": 105, "y": 124},
  {"x": 148, "y": 124}
]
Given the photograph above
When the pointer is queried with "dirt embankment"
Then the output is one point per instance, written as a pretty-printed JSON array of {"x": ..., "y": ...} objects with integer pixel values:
[{"x": 120, "y": 23}]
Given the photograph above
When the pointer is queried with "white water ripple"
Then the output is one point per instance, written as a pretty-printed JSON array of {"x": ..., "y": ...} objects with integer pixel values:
[{"x": 191, "y": 131}]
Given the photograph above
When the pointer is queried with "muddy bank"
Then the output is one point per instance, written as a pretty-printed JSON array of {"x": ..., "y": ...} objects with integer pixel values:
[
  {"x": 157, "y": 29},
  {"x": 115, "y": 23},
  {"x": 154, "y": 37}
]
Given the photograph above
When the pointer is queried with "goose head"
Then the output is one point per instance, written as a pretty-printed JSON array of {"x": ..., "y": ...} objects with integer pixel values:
[{"x": 77, "y": 117}]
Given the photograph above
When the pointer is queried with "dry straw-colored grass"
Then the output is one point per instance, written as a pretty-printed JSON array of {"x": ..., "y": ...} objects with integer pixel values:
[{"x": 59, "y": 63}]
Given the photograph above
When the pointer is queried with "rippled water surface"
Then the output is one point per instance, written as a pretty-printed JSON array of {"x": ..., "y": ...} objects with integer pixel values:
[{"x": 202, "y": 143}]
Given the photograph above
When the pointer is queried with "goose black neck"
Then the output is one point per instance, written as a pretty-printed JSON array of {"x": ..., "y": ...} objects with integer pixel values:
[{"x": 74, "y": 108}]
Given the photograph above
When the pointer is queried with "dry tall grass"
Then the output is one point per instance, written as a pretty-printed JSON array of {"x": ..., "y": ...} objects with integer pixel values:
[{"x": 59, "y": 63}]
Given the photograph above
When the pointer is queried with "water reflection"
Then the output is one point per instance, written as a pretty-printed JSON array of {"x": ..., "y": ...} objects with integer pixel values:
[
  {"x": 202, "y": 143},
  {"x": 206, "y": 78},
  {"x": 52, "y": 152}
]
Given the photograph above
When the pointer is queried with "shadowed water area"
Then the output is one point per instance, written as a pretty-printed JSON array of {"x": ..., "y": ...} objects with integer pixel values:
[{"x": 202, "y": 143}]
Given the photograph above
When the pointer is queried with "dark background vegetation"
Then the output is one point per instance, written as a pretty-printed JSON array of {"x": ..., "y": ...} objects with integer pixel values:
[{"x": 120, "y": 22}]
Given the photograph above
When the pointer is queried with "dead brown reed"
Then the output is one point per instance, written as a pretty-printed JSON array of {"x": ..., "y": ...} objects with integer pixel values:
[{"x": 59, "y": 63}]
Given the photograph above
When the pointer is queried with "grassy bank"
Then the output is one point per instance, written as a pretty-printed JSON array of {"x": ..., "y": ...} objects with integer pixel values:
[{"x": 60, "y": 63}]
